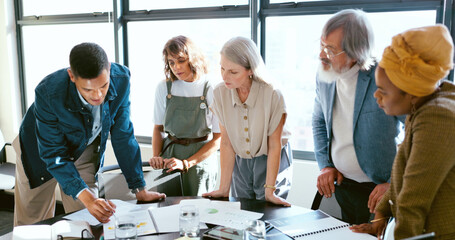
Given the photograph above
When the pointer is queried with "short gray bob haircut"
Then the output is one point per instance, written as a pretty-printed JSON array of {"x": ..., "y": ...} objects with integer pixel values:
[
  {"x": 358, "y": 37},
  {"x": 243, "y": 51}
]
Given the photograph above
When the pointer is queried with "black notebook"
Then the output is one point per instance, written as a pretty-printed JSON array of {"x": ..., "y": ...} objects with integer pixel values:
[{"x": 316, "y": 225}]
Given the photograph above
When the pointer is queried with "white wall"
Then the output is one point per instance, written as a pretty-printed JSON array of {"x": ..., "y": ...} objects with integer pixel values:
[
  {"x": 304, "y": 183},
  {"x": 10, "y": 112}
]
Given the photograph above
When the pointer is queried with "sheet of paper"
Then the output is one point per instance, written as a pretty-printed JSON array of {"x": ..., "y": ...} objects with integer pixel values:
[
  {"x": 83, "y": 215},
  {"x": 228, "y": 217},
  {"x": 197, "y": 202},
  {"x": 205, "y": 202},
  {"x": 166, "y": 219},
  {"x": 122, "y": 207},
  {"x": 235, "y": 205},
  {"x": 222, "y": 213},
  {"x": 143, "y": 220}
]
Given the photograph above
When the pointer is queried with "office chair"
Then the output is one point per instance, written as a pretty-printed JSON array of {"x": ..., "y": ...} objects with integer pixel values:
[
  {"x": 112, "y": 184},
  {"x": 7, "y": 169},
  {"x": 327, "y": 205}
]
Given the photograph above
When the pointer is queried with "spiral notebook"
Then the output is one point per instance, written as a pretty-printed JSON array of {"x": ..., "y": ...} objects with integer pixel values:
[{"x": 316, "y": 225}]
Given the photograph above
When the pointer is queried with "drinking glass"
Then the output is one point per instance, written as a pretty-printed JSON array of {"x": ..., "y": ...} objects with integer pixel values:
[
  {"x": 125, "y": 227},
  {"x": 254, "y": 230},
  {"x": 189, "y": 221}
]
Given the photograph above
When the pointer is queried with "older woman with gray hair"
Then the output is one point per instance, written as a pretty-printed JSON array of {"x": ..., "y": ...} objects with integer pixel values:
[{"x": 255, "y": 158}]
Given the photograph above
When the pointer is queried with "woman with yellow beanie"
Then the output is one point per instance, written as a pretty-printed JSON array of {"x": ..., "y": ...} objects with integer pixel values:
[{"x": 421, "y": 197}]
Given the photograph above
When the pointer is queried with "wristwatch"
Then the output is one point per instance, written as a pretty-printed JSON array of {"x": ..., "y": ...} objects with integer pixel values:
[{"x": 136, "y": 190}]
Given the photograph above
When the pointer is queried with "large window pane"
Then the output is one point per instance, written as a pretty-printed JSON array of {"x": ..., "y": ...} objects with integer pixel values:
[
  {"x": 283, "y": 1},
  {"x": 169, "y": 4},
  {"x": 47, "y": 48},
  {"x": 146, "y": 42},
  {"x": 388, "y": 24},
  {"x": 292, "y": 51},
  {"x": 56, "y": 7}
]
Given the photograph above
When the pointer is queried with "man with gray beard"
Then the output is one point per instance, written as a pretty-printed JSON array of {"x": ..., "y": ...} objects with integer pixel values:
[{"x": 355, "y": 142}]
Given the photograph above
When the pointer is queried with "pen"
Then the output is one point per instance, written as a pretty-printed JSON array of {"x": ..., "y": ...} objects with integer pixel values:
[
  {"x": 113, "y": 213},
  {"x": 269, "y": 227},
  {"x": 379, "y": 219}
]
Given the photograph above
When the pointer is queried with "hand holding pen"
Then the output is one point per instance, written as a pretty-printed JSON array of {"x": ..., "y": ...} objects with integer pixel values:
[
  {"x": 111, "y": 207},
  {"x": 100, "y": 208}
]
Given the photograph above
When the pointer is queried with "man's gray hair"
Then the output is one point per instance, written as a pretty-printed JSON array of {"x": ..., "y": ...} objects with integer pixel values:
[{"x": 358, "y": 37}]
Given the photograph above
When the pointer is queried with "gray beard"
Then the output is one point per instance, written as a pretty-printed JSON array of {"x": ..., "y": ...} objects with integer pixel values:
[{"x": 330, "y": 75}]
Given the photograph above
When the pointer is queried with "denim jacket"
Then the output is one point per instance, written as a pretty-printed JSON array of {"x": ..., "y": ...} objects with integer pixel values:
[
  {"x": 57, "y": 127},
  {"x": 375, "y": 133}
]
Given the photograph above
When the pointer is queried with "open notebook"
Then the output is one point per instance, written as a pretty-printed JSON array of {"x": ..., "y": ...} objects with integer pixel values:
[
  {"x": 316, "y": 225},
  {"x": 64, "y": 228}
]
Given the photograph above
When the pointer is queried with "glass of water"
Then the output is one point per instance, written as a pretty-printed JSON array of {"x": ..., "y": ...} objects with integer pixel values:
[
  {"x": 254, "y": 230},
  {"x": 125, "y": 227},
  {"x": 189, "y": 221}
]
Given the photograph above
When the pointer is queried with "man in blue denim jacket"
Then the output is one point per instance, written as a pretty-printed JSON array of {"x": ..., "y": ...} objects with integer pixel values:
[
  {"x": 63, "y": 138},
  {"x": 355, "y": 142}
]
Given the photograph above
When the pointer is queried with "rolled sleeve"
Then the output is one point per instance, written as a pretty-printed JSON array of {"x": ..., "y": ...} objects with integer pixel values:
[
  {"x": 216, "y": 106},
  {"x": 160, "y": 103}
]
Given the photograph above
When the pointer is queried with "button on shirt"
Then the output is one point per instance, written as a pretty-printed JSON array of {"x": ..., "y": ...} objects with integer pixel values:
[
  {"x": 249, "y": 124},
  {"x": 96, "y": 113}
]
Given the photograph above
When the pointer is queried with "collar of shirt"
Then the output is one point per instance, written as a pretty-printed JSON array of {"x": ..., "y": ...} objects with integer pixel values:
[
  {"x": 252, "y": 96},
  {"x": 85, "y": 103},
  {"x": 349, "y": 74}
]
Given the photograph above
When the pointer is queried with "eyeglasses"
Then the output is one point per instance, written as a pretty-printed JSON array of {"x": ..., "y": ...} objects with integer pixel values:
[{"x": 328, "y": 52}]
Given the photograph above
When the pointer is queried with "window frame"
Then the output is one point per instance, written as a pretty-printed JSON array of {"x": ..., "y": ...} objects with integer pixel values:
[{"x": 259, "y": 10}]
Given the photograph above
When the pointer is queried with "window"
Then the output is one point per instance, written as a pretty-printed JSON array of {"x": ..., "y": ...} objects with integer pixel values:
[
  {"x": 55, "y": 7},
  {"x": 292, "y": 53},
  {"x": 146, "y": 58},
  {"x": 47, "y": 48},
  {"x": 290, "y": 2},
  {"x": 170, "y": 4},
  {"x": 289, "y": 35}
]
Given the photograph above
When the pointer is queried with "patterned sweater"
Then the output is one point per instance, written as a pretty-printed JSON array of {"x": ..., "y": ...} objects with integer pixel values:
[{"x": 422, "y": 191}]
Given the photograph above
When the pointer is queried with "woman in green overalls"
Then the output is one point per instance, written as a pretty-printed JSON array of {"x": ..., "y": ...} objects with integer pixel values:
[{"x": 183, "y": 121}]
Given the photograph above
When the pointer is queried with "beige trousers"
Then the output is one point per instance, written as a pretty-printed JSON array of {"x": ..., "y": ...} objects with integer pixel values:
[{"x": 37, "y": 204}]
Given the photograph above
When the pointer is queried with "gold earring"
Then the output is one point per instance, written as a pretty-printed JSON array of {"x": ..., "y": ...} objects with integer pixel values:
[{"x": 251, "y": 76}]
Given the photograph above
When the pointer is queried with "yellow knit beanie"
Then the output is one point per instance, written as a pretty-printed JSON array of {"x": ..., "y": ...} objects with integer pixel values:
[{"x": 418, "y": 58}]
